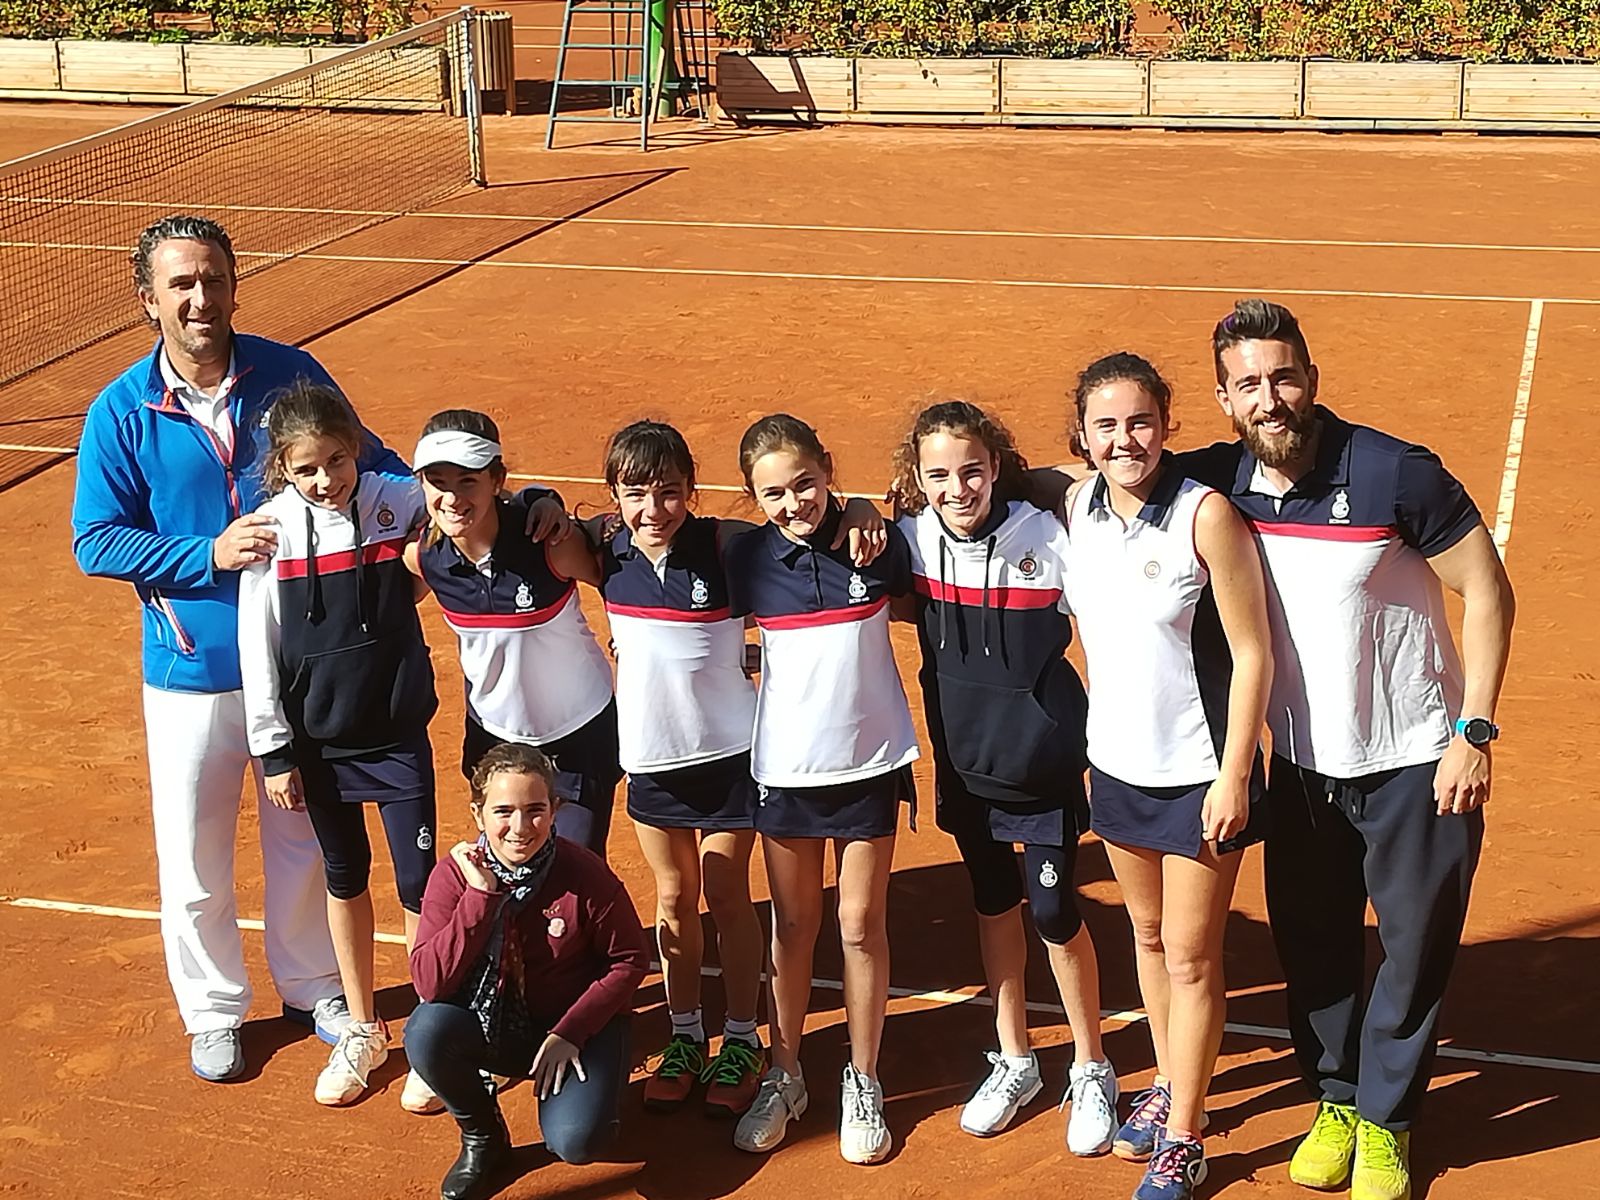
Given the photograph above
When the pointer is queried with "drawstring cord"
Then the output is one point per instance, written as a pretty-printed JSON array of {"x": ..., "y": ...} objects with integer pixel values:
[
  {"x": 313, "y": 579},
  {"x": 983, "y": 615},
  {"x": 944, "y": 595},
  {"x": 361, "y": 566}
]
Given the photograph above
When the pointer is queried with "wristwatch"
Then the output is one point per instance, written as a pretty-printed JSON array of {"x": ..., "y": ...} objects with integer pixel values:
[{"x": 1479, "y": 731}]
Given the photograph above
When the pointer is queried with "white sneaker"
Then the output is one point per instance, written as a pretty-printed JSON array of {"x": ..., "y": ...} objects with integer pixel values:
[
  {"x": 1092, "y": 1092},
  {"x": 863, "y": 1136},
  {"x": 417, "y": 1097},
  {"x": 998, "y": 1100},
  {"x": 780, "y": 1099},
  {"x": 362, "y": 1050}
]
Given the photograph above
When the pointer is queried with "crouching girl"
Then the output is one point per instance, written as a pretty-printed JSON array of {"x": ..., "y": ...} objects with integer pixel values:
[{"x": 527, "y": 959}]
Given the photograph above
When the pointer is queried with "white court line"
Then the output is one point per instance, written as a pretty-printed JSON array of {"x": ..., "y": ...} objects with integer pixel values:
[
  {"x": 844, "y": 277},
  {"x": 22, "y": 449},
  {"x": 1519, "y": 423},
  {"x": 935, "y": 996},
  {"x": 805, "y": 227}
]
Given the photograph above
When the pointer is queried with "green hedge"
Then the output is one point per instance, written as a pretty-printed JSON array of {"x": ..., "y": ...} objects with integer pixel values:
[
  {"x": 1370, "y": 30},
  {"x": 184, "y": 20}
]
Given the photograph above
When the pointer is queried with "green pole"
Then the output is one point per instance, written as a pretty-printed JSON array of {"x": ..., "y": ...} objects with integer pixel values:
[{"x": 662, "y": 75}]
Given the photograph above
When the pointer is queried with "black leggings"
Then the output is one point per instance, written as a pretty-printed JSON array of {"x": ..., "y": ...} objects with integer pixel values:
[
  {"x": 341, "y": 828},
  {"x": 1044, "y": 875},
  {"x": 446, "y": 1046}
]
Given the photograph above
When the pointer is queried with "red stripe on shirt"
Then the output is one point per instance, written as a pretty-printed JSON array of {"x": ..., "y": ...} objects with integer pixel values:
[
  {"x": 343, "y": 560},
  {"x": 1325, "y": 533},
  {"x": 518, "y": 620},
  {"x": 696, "y": 617},
  {"x": 999, "y": 597},
  {"x": 828, "y": 616}
]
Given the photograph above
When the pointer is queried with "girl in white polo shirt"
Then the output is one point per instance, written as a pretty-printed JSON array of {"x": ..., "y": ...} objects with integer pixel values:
[
  {"x": 1166, "y": 584},
  {"x": 685, "y": 709},
  {"x": 832, "y": 747}
]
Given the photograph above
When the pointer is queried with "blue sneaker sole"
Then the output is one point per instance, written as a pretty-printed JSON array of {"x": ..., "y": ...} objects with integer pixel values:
[
  {"x": 306, "y": 1020},
  {"x": 228, "y": 1078}
]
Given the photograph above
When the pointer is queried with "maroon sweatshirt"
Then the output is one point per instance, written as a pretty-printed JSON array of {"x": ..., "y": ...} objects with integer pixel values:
[{"x": 583, "y": 949}]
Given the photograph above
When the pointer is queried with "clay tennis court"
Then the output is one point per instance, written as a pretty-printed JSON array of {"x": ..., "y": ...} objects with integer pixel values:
[{"x": 1451, "y": 293}]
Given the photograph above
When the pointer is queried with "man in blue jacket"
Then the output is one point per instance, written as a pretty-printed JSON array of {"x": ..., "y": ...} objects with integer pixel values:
[{"x": 168, "y": 479}]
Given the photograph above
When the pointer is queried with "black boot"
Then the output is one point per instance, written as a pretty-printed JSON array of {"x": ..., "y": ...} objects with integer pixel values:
[{"x": 485, "y": 1150}]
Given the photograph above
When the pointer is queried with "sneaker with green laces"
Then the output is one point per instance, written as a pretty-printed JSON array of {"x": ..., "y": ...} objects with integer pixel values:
[
  {"x": 1383, "y": 1164},
  {"x": 675, "y": 1075},
  {"x": 733, "y": 1077},
  {"x": 1322, "y": 1160}
]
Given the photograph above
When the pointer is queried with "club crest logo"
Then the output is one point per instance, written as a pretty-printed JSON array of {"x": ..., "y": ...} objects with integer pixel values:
[
  {"x": 1152, "y": 569},
  {"x": 1047, "y": 874},
  {"x": 699, "y": 594},
  {"x": 557, "y": 927},
  {"x": 424, "y": 838},
  {"x": 1341, "y": 507},
  {"x": 385, "y": 517},
  {"x": 858, "y": 587},
  {"x": 1029, "y": 565},
  {"x": 524, "y": 596}
]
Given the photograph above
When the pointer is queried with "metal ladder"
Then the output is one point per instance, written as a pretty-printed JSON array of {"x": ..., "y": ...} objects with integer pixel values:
[{"x": 634, "y": 85}]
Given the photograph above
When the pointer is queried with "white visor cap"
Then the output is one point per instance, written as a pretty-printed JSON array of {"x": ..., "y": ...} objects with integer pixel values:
[{"x": 457, "y": 449}]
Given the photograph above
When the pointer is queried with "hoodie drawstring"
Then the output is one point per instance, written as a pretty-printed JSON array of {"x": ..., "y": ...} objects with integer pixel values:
[
  {"x": 313, "y": 579},
  {"x": 361, "y": 567},
  {"x": 983, "y": 615},
  {"x": 944, "y": 595}
]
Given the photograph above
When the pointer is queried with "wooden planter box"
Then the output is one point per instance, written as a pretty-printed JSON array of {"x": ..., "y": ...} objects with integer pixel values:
[
  {"x": 135, "y": 68},
  {"x": 172, "y": 72},
  {"x": 952, "y": 86},
  {"x": 1498, "y": 92},
  {"x": 218, "y": 68},
  {"x": 1074, "y": 87},
  {"x": 806, "y": 86},
  {"x": 1224, "y": 89},
  {"x": 1397, "y": 91},
  {"x": 28, "y": 64}
]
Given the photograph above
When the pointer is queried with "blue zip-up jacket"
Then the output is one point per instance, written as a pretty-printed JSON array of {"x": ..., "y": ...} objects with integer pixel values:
[{"x": 154, "y": 492}]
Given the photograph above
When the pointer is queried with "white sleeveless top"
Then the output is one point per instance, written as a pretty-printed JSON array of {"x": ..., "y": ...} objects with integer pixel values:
[{"x": 1159, "y": 665}]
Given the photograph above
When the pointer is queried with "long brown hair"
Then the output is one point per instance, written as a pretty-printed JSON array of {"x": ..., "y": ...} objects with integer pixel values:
[
  {"x": 305, "y": 410},
  {"x": 962, "y": 419}
]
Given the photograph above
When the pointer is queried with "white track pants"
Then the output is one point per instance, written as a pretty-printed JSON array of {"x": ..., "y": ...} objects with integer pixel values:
[{"x": 198, "y": 762}]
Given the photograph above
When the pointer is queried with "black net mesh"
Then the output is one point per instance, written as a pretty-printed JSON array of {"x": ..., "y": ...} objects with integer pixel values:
[{"x": 288, "y": 166}]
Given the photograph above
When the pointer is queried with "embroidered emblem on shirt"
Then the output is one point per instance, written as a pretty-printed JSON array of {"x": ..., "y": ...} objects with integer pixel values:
[
  {"x": 385, "y": 517},
  {"x": 858, "y": 587},
  {"x": 557, "y": 927},
  {"x": 424, "y": 838},
  {"x": 1341, "y": 508},
  {"x": 1047, "y": 874},
  {"x": 1152, "y": 569},
  {"x": 1028, "y": 565},
  {"x": 699, "y": 594},
  {"x": 524, "y": 596}
]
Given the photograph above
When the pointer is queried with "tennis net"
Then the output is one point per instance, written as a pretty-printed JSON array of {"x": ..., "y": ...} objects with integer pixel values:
[{"x": 288, "y": 165}]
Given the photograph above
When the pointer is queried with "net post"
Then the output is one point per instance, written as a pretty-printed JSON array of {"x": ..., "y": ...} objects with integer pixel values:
[{"x": 473, "y": 97}]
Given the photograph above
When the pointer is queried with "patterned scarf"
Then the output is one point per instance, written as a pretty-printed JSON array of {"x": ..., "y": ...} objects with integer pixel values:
[{"x": 493, "y": 988}]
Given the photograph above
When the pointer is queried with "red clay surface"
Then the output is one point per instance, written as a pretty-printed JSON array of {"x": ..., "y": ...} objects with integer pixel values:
[{"x": 99, "y": 1099}]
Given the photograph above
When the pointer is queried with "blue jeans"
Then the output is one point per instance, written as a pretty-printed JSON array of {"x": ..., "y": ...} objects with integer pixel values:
[{"x": 446, "y": 1046}]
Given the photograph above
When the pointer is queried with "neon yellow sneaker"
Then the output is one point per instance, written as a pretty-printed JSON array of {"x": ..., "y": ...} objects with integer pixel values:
[
  {"x": 1322, "y": 1159},
  {"x": 1383, "y": 1164}
]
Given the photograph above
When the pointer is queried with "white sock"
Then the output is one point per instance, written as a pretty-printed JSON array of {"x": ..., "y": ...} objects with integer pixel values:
[
  {"x": 689, "y": 1025},
  {"x": 744, "y": 1031},
  {"x": 1021, "y": 1063}
]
